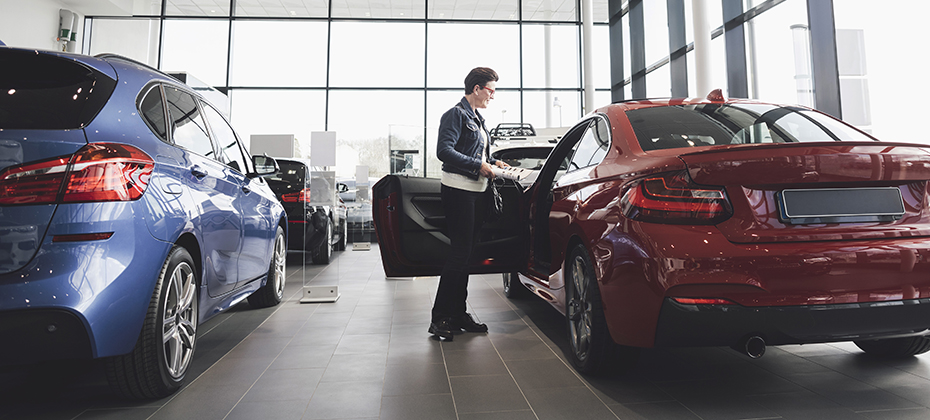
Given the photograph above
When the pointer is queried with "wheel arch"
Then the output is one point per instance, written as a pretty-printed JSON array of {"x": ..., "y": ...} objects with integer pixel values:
[{"x": 189, "y": 242}]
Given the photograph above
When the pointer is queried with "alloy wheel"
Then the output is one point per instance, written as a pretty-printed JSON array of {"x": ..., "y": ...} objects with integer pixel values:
[{"x": 179, "y": 325}]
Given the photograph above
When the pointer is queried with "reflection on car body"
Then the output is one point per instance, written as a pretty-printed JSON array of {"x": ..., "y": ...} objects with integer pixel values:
[
  {"x": 130, "y": 213},
  {"x": 671, "y": 227}
]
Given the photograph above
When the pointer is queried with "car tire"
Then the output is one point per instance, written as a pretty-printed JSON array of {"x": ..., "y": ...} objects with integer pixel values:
[
  {"x": 324, "y": 253},
  {"x": 156, "y": 366},
  {"x": 513, "y": 289},
  {"x": 591, "y": 348},
  {"x": 343, "y": 236},
  {"x": 895, "y": 347},
  {"x": 272, "y": 293}
]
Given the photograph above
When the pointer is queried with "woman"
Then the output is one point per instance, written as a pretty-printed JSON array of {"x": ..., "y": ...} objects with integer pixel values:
[{"x": 463, "y": 148}]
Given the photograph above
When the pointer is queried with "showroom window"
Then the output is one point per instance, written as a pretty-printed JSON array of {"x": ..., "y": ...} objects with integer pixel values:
[{"x": 259, "y": 58}]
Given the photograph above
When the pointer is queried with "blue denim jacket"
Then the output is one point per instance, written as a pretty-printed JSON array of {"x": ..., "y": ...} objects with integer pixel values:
[{"x": 459, "y": 141}]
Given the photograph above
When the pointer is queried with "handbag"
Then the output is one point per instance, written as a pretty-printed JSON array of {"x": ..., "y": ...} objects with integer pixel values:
[{"x": 496, "y": 206}]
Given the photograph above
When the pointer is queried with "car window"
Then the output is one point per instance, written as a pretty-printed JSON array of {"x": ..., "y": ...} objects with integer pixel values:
[
  {"x": 593, "y": 146},
  {"x": 152, "y": 108},
  {"x": 187, "y": 127},
  {"x": 683, "y": 126},
  {"x": 225, "y": 137}
]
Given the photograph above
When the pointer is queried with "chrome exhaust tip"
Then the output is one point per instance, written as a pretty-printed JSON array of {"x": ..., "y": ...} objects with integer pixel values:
[{"x": 752, "y": 346}]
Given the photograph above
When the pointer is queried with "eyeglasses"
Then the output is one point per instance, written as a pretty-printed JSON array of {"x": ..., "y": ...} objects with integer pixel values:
[{"x": 489, "y": 90}]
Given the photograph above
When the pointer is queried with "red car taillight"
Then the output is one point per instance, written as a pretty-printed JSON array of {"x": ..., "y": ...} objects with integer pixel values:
[
  {"x": 303, "y": 196},
  {"x": 97, "y": 172},
  {"x": 673, "y": 198}
]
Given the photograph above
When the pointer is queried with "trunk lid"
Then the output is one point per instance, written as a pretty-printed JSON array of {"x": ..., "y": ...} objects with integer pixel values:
[
  {"x": 46, "y": 100},
  {"x": 853, "y": 188}
]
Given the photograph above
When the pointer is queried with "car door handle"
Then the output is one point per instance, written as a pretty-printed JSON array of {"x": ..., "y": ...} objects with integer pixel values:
[{"x": 198, "y": 172}]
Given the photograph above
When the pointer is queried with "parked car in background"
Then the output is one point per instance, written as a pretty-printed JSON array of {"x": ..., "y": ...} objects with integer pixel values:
[
  {"x": 359, "y": 208},
  {"x": 313, "y": 227},
  {"x": 701, "y": 223},
  {"x": 130, "y": 213},
  {"x": 526, "y": 155}
]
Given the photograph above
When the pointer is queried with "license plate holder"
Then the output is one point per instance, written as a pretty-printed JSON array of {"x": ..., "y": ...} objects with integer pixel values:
[{"x": 839, "y": 205}]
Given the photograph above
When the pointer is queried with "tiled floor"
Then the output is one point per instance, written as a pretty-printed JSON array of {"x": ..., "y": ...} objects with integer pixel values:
[{"x": 368, "y": 356}]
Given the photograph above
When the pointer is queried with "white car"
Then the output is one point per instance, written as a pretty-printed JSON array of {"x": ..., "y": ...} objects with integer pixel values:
[{"x": 527, "y": 152}]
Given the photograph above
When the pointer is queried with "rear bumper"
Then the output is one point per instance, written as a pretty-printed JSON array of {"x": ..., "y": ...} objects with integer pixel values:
[
  {"x": 725, "y": 325},
  {"x": 43, "y": 334}
]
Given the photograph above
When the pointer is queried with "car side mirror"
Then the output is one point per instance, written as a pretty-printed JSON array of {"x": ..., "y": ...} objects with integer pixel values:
[
  {"x": 341, "y": 188},
  {"x": 264, "y": 165}
]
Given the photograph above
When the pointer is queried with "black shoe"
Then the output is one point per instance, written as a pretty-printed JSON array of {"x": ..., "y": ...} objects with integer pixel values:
[
  {"x": 467, "y": 323},
  {"x": 442, "y": 328}
]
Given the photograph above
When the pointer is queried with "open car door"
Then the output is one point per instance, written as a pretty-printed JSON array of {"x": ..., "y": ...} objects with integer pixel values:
[{"x": 410, "y": 225}]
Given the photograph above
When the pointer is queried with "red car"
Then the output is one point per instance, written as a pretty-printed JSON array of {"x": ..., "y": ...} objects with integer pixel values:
[{"x": 702, "y": 223}]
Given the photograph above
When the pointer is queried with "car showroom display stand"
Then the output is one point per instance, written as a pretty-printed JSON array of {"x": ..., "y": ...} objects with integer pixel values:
[
  {"x": 320, "y": 294},
  {"x": 361, "y": 246}
]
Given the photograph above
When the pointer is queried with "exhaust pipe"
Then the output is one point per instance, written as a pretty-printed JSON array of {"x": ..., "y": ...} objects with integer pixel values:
[{"x": 752, "y": 346}]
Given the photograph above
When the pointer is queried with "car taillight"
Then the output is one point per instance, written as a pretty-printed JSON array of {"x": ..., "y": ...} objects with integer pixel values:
[
  {"x": 673, "y": 198},
  {"x": 97, "y": 172},
  {"x": 302, "y": 196}
]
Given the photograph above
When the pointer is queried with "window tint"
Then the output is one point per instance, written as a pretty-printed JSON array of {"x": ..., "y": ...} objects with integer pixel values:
[
  {"x": 593, "y": 146},
  {"x": 45, "y": 92},
  {"x": 187, "y": 126},
  {"x": 225, "y": 137},
  {"x": 153, "y": 112},
  {"x": 669, "y": 127}
]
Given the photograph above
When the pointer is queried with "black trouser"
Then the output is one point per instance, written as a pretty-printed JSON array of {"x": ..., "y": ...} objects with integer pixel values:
[{"x": 465, "y": 213}]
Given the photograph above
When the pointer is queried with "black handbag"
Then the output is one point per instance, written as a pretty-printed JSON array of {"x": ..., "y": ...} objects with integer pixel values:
[{"x": 496, "y": 206}]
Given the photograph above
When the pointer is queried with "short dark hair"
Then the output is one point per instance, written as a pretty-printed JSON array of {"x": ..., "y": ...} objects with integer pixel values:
[{"x": 479, "y": 76}]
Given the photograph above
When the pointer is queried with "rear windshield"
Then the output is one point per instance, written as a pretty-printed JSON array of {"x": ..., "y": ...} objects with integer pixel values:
[
  {"x": 39, "y": 91},
  {"x": 291, "y": 177},
  {"x": 670, "y": 127}
]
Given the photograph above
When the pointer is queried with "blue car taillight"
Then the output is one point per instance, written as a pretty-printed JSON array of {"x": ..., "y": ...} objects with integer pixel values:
[
  {"x": 97, "y": 172},
  {"x": 673, "y": 198}
]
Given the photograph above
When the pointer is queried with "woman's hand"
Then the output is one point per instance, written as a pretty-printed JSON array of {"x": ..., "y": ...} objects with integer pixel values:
[
  {"x": 502, "y": 164},
  {"x": 486, "y": 170}
]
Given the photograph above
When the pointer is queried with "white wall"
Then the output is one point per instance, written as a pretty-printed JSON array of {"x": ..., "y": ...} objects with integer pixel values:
[{"x": 34, "y": 24}]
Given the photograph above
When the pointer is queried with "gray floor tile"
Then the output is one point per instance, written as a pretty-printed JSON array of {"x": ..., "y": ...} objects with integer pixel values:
[
  {"x": 408, "y": 407},
  {"x": 304, "y": 357},
  {"x": 568, "y": 403},
  {"x": 416, "y": 379},
  {"x": 664, "y": 410},
  {"x": 268, "y": 410},
  {"x": 285, "y": 385},
  {"x": 540, "y": 374},
  {"x": 345, "y": 400},
  {"x": 487, "y": 393},
  {"x": 500, "y": 415},
  {"x": 355, "y": 368}
]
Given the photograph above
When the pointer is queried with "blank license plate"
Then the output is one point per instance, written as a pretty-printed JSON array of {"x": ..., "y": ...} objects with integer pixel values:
[{"x": 839, "y": 205}]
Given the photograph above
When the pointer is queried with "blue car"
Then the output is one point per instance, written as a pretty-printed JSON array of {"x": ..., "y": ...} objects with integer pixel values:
[{"x": 130, "y": 213}]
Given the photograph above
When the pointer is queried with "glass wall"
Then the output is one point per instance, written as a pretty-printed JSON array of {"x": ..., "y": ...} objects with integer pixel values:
[
  {"x": 879, "y": 75},
  {"x": 379, "y": 74},
  {"x": 384, "y": 72}
]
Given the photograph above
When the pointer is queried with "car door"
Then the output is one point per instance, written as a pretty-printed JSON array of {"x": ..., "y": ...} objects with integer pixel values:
[
  {"x": 410, "y": 225},
  {"x": 254, "y": 207},
  {"x": 218, "y": 219}
]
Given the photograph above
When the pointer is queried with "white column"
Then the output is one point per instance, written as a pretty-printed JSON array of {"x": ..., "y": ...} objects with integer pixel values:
[
  {"x": 587, "y": 27},
  {"x": 702, "y": 60}
]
